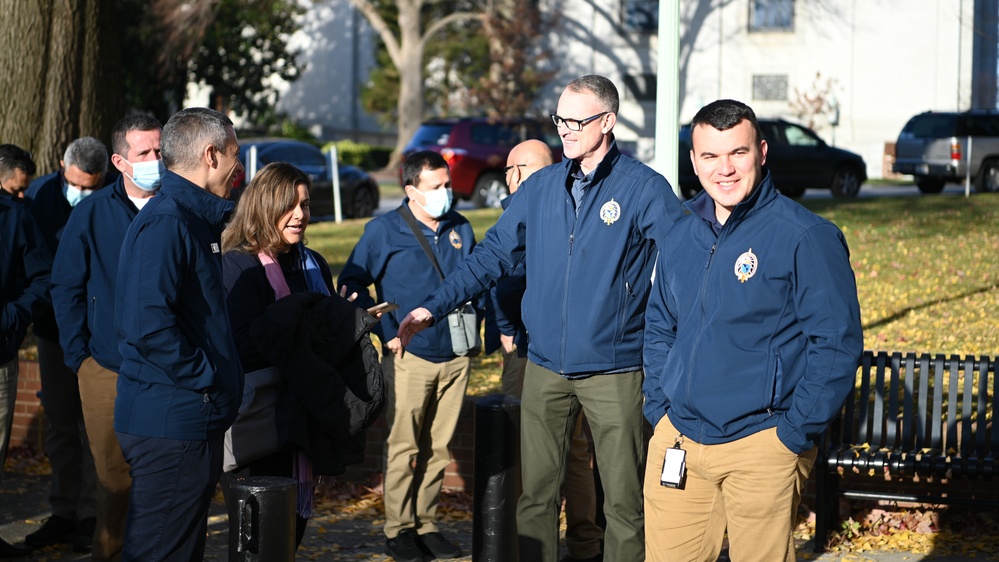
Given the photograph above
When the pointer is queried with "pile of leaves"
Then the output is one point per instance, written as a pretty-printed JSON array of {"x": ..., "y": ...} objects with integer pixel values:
[{"x": 934, "y": 530}]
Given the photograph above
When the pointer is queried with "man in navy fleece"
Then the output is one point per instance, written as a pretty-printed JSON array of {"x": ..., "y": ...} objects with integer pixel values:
[{"x": 180, "y": 381}]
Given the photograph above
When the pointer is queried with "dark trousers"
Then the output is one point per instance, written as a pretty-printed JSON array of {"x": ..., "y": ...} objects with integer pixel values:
[{"x": 173, "y": 483}]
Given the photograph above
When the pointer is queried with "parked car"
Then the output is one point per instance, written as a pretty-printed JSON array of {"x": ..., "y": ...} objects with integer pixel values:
[
  {"x": 935, "y": 148},
  {"x": 798, "y": 159},
  {"x": 358, "y": 190},
  {"x": 476, "y": 149}
]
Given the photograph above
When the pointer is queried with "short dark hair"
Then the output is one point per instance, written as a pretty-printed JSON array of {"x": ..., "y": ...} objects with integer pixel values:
[
  {"x": 725, "y": 114},
  {"x": 134, "y": 122},
  {"x": 601, "y": 87},
  {"x": 419, "y": 161},
  {"x": 13, "y": 157},
  {"x": 188, "y": 132},
  {"x": 87, "y": 154}
]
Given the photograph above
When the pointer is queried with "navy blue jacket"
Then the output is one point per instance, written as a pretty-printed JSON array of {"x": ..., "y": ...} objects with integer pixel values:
[
  {"x": 506, "y": 297},
  {"x": 83, "y": 277},
  {"x": 727, "y": 357},
  {"x": 25, "y": 262},
  {"x": 588, "y": 276},
  {"x": 180, "y": 375},
  {"x": 389, "y": 257},
  {"x": 48, "y": 205}
]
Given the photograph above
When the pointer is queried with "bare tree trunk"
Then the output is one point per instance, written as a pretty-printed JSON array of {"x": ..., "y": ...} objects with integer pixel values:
[
  {"x": 61, "y": 80},
  {"x": 410, "y": 76}
]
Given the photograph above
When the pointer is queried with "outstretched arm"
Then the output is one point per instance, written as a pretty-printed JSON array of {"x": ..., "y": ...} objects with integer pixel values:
[{"x": 414, "y": 322}]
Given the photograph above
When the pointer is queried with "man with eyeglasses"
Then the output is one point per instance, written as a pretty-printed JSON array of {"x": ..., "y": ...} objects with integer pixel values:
[{"x": 588, "y": 231}]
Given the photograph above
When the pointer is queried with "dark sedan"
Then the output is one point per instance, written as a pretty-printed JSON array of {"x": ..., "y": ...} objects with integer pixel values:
[
  {"x": 796, "y": 157},
  {"x": 358, "y": 190}
]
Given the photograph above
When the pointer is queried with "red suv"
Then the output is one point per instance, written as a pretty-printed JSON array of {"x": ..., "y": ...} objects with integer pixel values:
[{"x": 476, "y": 149}]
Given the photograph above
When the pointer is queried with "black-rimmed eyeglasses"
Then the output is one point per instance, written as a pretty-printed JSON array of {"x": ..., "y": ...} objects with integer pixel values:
[
  {"x": 575, "y": 124},
  {"x": 508, "y": 168}
]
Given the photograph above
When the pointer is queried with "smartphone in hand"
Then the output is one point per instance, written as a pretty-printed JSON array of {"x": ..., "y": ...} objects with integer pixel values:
[{"x": 382, "y": 308}]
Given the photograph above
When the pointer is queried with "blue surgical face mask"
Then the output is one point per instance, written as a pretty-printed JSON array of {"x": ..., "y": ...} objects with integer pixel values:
[
  {"x": 74, "y": 194},
  {"x": 146, "y": 175},
  {"x": 438, "y": 202}
]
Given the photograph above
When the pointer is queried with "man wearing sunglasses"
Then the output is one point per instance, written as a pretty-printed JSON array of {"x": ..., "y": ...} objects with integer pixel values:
[{"x": 588, "y": 231}]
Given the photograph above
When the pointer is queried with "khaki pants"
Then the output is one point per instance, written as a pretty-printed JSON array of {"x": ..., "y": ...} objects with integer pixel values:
[
  {"x": 424, "y": 403},
  {"x": 549, "y": 414},
  {"x": 752, "y": 486},
  {"x": 98, "y": 389},
  {"x": 582, "y": 534}
]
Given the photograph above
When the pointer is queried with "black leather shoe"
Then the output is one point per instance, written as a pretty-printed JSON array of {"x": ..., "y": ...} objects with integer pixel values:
[
  {"x": 404, "y": 547},
  {"x": 8, "y": 550},
  {"x": 440, "y": 547},
  {"x": 83, "y": 542},
  {"x": 56, "y": 530}
]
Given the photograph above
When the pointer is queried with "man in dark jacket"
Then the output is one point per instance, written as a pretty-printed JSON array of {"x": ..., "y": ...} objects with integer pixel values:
[
  {"x": 83, "y": 279},
  {"x": 588, "y": 230},
  {"x": 16, "y": 170},
  {"x": 180, "y": 381},
  {"x": 73, "y": 494},
  {"x": 426, "y": 381},
  {"x": 582, "y": 534},
  {"x": 24, "y": 277},
  {"x": 751, "y": 344}
]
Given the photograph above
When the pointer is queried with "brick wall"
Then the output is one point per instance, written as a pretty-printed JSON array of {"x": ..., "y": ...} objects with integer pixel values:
[{"x": 27, "y": 427}]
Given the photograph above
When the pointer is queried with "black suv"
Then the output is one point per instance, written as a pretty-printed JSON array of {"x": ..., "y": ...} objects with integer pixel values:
[
  {"x": 476, "y": 149},
  {"x": 939, "y": 147},
  {"x": 796, "y": 157}
]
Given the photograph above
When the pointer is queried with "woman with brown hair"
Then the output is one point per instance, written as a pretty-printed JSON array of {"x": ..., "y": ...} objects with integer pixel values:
[{"x": 285, "y": 314}]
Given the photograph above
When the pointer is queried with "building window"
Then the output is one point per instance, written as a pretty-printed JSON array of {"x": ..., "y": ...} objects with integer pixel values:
[
  {"x": 640, "y": 15},
  {"x": 771, "y": 15},
  {"x": 640, "y": 87},
  {"x": 770, "y": 87}
]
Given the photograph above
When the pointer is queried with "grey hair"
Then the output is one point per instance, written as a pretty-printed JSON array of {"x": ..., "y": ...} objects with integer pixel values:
[
  {"x": 188, "y": 132},
  {"x": 601, "y": 87},
  {"x": 87, "y": 154}
]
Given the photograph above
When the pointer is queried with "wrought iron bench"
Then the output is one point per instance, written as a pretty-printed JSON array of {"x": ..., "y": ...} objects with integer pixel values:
[{"x": 911, "y": 419}]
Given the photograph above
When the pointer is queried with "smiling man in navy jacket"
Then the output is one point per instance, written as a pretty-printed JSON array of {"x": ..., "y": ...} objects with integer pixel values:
[
  {"x": 752, "y": 340},
  {"x": 588, "y": 229},
  {"x": 83, "y": 282},
  {"x": 180, "y": 381}
]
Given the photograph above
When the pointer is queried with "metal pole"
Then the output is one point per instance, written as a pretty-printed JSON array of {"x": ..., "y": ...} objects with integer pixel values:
[
  {"x": 262, "y": 519},
  {"x": 334, "y": 171},
  {"x": 497, "y": 479},
  {"x": 967, "y": 172},
  {"x": 251, "y": 163},
  {"x": 668, "y": 94}
]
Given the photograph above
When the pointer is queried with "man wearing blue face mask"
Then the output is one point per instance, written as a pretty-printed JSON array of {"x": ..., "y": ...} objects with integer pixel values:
[
  {"x": 83, "y": 281},
  {"x": 73, "y": 494},
  {"x": 427, "y": 380}
]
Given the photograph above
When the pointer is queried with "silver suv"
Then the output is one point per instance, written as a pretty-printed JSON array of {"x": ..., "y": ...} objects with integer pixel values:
[{"x": 939, "y": 147}]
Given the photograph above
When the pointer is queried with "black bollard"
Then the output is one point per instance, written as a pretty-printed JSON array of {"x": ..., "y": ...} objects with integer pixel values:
[
  {"x": 262, "y": 519},
  {"x": 497, "y": 479}
]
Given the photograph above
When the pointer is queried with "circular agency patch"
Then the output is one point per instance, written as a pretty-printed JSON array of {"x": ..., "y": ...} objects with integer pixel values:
[
  {"x": 455, "y": 239},
  {"x": 610, "y": 212},
  {"x": 745, "y": 266}
]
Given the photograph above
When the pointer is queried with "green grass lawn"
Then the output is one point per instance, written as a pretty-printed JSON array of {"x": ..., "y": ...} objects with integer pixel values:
[{"x": 927, "y": 270}]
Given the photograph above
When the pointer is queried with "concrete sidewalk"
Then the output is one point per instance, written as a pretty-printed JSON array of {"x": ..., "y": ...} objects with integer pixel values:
[{"x": 356, "y": 535}]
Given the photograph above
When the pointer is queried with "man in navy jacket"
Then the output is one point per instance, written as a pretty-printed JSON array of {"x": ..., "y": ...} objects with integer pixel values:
[
  {"x": 588, "y": 229},
  {"x": 73, "y": 488},
  {"x": 25, "y": 262},
  {"x": 180, "y": 381},
  {"x": 83, "y": 282},
  {"x": 426, "y": 381},
  {"x": 752, "y": 341}
]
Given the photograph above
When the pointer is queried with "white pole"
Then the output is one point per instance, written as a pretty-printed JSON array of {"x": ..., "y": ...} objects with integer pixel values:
[
  {"x": 668, "y": 94},
  {"x": 334, "y": 171},
  {"x": 967, "y": 172},
  {"x": 251, "y": 164}
]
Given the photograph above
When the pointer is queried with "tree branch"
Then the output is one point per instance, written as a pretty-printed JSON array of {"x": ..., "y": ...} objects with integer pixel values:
[
  {"x": 371, "y": 14},
  {"x": 447, "y": 20}
]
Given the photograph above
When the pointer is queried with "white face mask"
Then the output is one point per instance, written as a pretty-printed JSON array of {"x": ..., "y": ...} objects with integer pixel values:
[
  {"x": 146, "y": 175},
  {"x": 74, "y": 194},
  {"x": 438, "y": 202}
]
